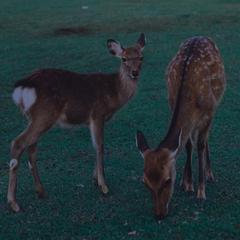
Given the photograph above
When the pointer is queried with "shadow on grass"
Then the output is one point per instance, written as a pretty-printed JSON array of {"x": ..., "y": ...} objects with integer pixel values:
[
  {"x": 71, "y": 31},
  {"x": 154, "y": 24}
]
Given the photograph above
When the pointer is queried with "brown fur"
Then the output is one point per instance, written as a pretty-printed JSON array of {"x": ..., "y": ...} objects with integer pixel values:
[
  {"x": 69, "y": 98},
  {"x": 196, "y": 83}
]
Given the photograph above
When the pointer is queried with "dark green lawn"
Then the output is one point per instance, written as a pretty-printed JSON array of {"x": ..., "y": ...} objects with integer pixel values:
[{"x": 59, "y": 33}]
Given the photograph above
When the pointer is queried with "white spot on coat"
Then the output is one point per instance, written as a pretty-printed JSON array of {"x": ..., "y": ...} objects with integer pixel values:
[{"x": 13, "y": 163}]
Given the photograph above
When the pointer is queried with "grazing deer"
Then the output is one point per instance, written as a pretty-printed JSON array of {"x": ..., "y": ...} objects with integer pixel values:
[
  {"x": 54, "y": 96},
  {"x": 196, "y": 83}
]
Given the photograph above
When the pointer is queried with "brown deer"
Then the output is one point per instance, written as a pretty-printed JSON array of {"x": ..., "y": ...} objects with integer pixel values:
[
  {"x": 196, "y": 83},
  {"x": 55, "y": 96}
]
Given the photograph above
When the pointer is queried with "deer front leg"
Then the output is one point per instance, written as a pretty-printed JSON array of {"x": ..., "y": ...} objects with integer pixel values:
[
  {"x": 97, "y": 134},
  {"x": 32, "y": 152},
  {"x": 186, "y": 181}
]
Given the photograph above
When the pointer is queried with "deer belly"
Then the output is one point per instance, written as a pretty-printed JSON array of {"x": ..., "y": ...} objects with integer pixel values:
[
  {"x": 63, "y": 122},
  {"x": 69, "y": 119}
]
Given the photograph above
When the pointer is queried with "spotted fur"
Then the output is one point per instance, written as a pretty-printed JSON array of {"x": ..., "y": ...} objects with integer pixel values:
[{"x": 196, "y": 83}]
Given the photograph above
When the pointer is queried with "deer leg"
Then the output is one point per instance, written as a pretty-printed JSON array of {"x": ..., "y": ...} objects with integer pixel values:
[
  {"x": 209, "y": 173},
  {"x": 201, "y": 148},
  {"x": 32, "y": 152},
  {"x": 17, "y": 148},
  {"x": 97, "y": 134},
  {"x": 27, "y": 138},
  {"x": 186, "y": 182},
  {"x": 11, "y": 195}
]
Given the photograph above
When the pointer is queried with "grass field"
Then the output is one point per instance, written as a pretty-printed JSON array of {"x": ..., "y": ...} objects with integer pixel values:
[{"x": 62, "y": 34}]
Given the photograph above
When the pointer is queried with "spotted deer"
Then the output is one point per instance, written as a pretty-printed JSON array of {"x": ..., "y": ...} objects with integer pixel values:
[
  {"x": 196, "y": 83},
  {"x": 54, "y": 96}
]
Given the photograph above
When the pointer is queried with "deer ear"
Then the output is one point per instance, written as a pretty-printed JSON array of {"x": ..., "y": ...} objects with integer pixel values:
[
  {"x": 178, "y": 145},
  {"x": 141, "y": 143},
  {"x": 142, "y": 41},
  {"x": 114, "y": 47}
]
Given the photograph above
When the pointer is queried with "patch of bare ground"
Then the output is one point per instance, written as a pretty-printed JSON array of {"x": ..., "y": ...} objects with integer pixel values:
[{"x": 63, "y": 31}]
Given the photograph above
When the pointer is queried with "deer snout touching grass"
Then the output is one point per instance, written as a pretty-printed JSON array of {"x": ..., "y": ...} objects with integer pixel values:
[
  {"x": 55, "y": 96},
  {"x": 196, "y": 83}
]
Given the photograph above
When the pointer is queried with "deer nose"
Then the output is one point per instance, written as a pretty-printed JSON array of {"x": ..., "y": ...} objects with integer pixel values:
[{"x": 135, "y": 73}]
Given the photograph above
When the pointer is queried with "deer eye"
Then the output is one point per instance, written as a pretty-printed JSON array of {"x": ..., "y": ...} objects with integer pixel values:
[
  {"x": 124, "y": 59},
  {"x": 141, "y": 58}
]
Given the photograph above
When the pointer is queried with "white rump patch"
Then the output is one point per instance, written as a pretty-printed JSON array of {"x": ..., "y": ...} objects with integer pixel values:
[
  {"x": 25, "y": 97},
  {"x": 17, "y": 95},
  {"x": 29, "y": 97},
  {"x": 13, "y": 163}
]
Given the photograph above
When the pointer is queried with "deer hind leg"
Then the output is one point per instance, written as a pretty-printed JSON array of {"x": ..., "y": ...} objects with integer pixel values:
[
  {"x": 17, "y": 148},
  {"x": 32, "y": 152},
  {"x": 186, "y": 182},
  {"x": 201, "y": 148},
  {"x": 27, "y": 138},
  {"x": 209, "y": 173},
  {"x": 97, "y": 134}
]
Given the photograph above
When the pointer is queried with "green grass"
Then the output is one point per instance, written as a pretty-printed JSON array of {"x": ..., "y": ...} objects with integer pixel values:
[{"x": 31, "y": 37}]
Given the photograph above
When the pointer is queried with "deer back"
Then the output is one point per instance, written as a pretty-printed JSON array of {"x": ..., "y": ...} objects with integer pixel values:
[{"x": 199, "y": 66}]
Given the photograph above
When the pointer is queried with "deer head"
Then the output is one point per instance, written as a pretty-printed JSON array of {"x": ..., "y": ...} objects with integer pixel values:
[
  {"x": 159, "y": 172},
  {"x": 131, "y": 57}
]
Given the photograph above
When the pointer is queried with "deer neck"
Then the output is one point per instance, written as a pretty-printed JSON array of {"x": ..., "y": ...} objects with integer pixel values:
[
  {"x": 182, "y": 120},
  {"x": 127, "y": 86}
]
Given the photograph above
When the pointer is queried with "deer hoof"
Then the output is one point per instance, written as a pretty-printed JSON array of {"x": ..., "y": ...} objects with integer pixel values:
[
  {"x": 14, "y": 206},
  {"x": 187, "y": 186},
  {"x": 209, "y": 176},
  {"x": 201, "y": 194},
  {"x": 41, "y": 194},
  {"x": 104, "y": 189}
]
